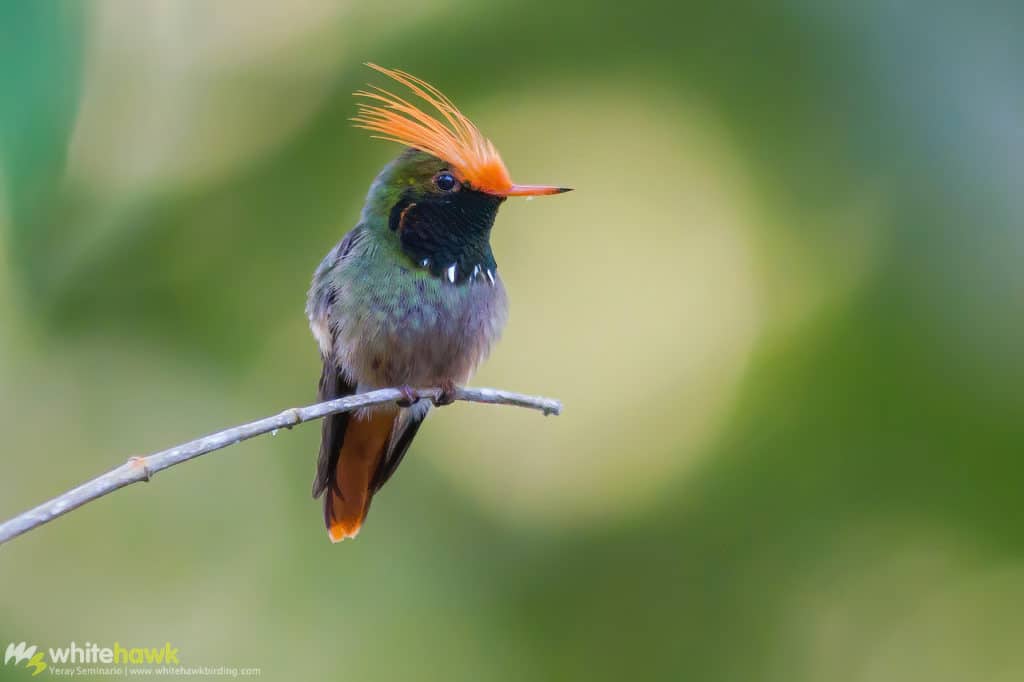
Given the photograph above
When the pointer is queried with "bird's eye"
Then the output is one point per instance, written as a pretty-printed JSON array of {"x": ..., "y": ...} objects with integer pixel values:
[{"x": 446, "y": 182}]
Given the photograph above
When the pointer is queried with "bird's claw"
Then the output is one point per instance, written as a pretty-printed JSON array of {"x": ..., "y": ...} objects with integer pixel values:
[
  {"x": 447, "y": 394},
  {"x": 409, "y": 396}
]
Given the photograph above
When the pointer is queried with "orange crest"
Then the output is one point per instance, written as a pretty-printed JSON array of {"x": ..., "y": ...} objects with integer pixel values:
[{"x": 455, "y": 139}]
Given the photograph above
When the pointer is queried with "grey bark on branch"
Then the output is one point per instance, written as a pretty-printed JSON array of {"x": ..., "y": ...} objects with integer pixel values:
[{"x": 138, "y": 469}]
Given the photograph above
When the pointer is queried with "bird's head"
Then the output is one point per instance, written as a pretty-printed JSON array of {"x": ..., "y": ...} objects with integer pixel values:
[{"x": 441, "y": 195}]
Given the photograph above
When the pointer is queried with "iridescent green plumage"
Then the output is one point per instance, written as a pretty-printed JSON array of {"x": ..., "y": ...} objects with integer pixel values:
[
  {"x": 389, "y": 314},
  {"x": 375, "y": 294},
  {"x": 411, "y": 296}
]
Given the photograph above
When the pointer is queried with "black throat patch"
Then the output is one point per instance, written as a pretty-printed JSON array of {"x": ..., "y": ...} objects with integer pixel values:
[{"x": 438, "y": 232}]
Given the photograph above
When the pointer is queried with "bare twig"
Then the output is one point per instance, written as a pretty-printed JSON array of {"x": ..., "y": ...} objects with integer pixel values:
[{"x": 138, "y": 469}]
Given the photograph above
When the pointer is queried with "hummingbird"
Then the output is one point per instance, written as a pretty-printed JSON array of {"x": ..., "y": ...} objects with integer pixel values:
[{"x": 411, "y": 295}]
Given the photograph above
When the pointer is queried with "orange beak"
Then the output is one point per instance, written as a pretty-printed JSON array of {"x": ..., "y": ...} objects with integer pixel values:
[{"x": 534, "y": 190}]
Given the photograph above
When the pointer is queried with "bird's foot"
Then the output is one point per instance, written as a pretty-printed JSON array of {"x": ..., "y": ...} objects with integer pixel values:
[
  {"x": 409, "y": 396},
  {"x": 447, "y": 395}
]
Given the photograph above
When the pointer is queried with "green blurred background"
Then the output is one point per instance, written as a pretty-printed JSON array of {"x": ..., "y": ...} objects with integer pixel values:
[{"x": 784, "y": 309}]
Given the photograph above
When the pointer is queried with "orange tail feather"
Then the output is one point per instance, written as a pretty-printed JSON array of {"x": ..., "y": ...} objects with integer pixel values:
[{"x": 348, "y": 498}]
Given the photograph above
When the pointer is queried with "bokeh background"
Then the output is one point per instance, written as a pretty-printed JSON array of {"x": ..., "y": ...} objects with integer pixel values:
[{"x": 784, "y": 309}]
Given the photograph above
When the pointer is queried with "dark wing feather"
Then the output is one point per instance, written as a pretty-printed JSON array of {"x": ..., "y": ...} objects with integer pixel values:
[
  {"x": 322, "y": 299},
  {"x": 332, "y": 428},
  {"x": 401, "y": 439}
]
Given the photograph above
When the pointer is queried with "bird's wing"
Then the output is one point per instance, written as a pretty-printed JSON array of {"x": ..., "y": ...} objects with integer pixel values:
[
  {"x": 333, "y": 383},
  {"x": 332, "y": 427}
]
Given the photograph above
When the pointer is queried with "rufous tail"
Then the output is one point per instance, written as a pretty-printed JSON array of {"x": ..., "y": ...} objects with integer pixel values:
[{"x": 348, "y": 496}]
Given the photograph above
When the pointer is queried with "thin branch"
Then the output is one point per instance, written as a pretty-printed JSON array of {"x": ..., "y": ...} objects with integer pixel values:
[{"x": 138, "y": 469}]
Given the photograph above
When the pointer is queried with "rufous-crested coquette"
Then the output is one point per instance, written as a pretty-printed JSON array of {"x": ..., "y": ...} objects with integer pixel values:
[{"x": 411, "y": 296}]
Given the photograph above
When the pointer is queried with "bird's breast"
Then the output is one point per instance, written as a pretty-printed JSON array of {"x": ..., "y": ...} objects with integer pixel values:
[{"x": 414, "y": 328}]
